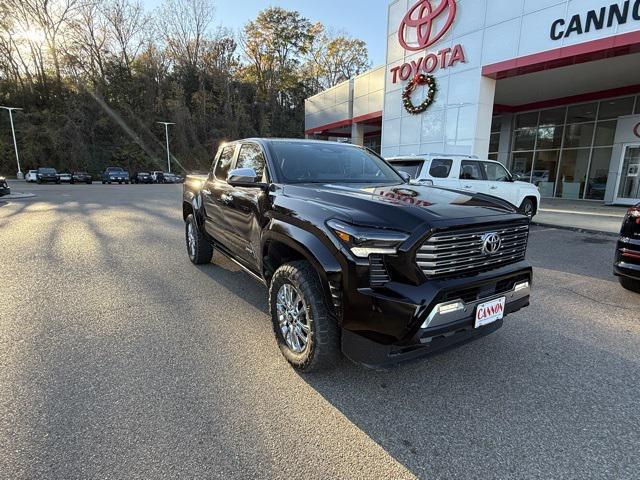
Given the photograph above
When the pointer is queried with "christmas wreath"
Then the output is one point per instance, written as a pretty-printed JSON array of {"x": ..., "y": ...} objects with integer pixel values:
[{"x": 419, "y": 79}]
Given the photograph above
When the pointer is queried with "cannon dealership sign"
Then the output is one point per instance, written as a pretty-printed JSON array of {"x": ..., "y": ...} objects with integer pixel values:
[{"x": 427, "y": 22}]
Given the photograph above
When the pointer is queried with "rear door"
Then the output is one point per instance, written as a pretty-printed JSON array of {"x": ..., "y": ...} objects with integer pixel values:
[
  {"x": 243, "y": 211},
  {"x": 471, "y": 177},
  {"x": 216, "y": 196}
]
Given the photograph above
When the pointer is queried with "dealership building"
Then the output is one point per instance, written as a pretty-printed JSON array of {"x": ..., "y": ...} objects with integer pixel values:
[{"x": 549, "y": 88}]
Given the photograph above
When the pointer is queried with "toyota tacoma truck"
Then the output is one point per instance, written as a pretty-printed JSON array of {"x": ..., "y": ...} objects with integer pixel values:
[{"x": 357, "y": 260}]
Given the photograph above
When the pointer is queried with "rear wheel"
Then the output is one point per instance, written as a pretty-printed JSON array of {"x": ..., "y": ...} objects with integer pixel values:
[
  {"x": 305, "y": 329},
  {"x": 199, "y": 248},
  {"x": 630, "y": 284},
  {"x": 528, "y": 207}
]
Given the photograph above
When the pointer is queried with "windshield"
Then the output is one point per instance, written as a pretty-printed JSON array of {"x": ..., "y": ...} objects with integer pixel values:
[
  {"x": 115, "y": 169},
  {"x": 314, "y": 162},
  {"x": 47, "y": 170}
]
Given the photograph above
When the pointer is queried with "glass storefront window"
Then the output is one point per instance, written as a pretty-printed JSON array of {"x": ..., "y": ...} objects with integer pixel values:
[
  {"x": 578, "y": 135},
  {"x": 525, "y": 120},
  {"x": 521, "y": 163},
  {"x": 572, "y": 173},
  {"x": 545, "y": 166},
  {"x": 598, "y": 173},
  {"x": 566, "y": 151},
  {"x": 615, "y": 108},
  {"x": 582, "y": 113},
  {"x": 494, "y": 142},
  {"x": 553, "y": 117},
  {"x": 630, "y": 178},
  {"x": 605, "y": 133},
  {"x": 549, "y": 137},
  {"x": 524, "y": 139}
]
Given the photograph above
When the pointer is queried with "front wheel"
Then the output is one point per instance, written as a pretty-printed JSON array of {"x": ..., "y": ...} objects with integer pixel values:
[
  {"x": 305, "y": 329},
  {"x": 630, "y": 284},
  {"x": 528, "y": 207},
  {"x": 199, "y": 248}
]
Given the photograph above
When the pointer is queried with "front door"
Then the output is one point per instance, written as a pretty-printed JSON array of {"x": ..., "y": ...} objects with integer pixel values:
[
  {"x": 216, "y": 197},
  {"x": 243, "y": 209},
  {"x": 629, "y": 184}
]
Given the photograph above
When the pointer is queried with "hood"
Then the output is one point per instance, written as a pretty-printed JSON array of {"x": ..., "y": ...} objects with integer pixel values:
[
  {"x": 398, "y": 206},
  {"x": 528, "y": 185}
]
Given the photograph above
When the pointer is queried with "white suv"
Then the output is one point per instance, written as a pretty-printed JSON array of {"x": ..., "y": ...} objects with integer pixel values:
[
  {"x": 31, "y": 176},
  {"x": 470, "y": 174}
]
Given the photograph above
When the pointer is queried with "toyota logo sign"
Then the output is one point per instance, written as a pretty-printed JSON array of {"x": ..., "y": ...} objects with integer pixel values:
[
  {"x": 421, "y": 20},
  {"x": 491, "y": 243}
]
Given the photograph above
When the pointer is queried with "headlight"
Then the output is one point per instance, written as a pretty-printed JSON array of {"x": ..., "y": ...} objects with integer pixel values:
[{"x": 363, "y": 241}]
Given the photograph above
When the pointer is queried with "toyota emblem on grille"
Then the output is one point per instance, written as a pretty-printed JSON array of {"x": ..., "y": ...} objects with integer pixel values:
[{"x": 491, "y": 243}]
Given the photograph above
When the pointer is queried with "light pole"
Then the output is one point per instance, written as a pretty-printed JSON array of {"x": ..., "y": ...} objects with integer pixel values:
[
  {"x": 166, "y": 134},
  {"x": 20, "y": 176}
]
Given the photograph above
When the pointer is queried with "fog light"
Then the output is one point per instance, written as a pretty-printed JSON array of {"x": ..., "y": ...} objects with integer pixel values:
[
  {"x": 450, "y": 307},
  {"x": 521, "y": 286}
]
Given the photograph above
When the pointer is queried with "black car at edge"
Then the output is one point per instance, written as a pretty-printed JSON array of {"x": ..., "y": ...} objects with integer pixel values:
[
  {"x": 4, "y": 187},
  {"x": 357, "y": 260},
  {"x": 627, "y": 261}
]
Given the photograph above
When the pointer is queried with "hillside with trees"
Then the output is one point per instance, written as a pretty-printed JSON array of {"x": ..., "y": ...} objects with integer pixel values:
[{"x": 94, "y": 77}]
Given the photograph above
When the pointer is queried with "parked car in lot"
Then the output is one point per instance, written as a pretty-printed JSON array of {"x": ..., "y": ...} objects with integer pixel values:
[
  {"x": 356, "y": 259},
  {"x": 627, "y": 261},
  {"x": 31, "y": 176},
  {"x": 142, "y": 177},
  {"x": 172, "y": 178},
  {"x": 47, "y": 175},
  {"x": 4, "y": 187},
  {"x": 473, "y": 175},
  {"x": 157, "y": 176},
  {"x": 81, "y": 177},
  {"x": 115, "y": 174},
  {"x": 64, "y": 177}
]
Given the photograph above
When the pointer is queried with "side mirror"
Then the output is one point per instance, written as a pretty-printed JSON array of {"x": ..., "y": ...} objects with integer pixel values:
[
  {"x": 516, "y": 177},
  {"x": 243, "y": 177},
  {"x": 405, "y": 176}
]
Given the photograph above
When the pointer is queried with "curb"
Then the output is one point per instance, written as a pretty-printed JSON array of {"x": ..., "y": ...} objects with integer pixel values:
[
  {"x": 17, "y": 196},
  {"x": 576, "y": 229}
]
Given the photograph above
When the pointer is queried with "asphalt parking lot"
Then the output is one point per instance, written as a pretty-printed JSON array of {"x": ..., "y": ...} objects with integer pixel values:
[{"x": 120, "y": 359}]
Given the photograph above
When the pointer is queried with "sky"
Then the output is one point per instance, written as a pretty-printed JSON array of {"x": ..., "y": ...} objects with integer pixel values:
[{"x": 363, "y": 19}]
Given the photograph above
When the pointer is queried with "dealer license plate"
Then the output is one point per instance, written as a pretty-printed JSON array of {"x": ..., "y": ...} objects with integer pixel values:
[{"x": 490, "y": 312}]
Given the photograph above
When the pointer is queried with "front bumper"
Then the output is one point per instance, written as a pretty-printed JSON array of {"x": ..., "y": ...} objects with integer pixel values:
[
  {"x": 428, "y": 330},
  {"x": 4, "y": 190}
]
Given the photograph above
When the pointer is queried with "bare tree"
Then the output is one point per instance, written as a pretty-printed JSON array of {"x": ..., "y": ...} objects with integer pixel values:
[
  {"x": 127, "y": 24},
  {"x": 89, "y": 40},
  {"x": 183, "y": 25}
]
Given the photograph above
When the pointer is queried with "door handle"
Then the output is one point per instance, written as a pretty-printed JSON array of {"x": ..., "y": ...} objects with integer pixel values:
[
  {"x": 493, "y": 188},
  {"x": 468, "y": 186}
]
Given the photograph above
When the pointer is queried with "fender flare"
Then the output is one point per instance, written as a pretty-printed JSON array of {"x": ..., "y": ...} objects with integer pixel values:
[
  {"x": 194, "y": 199},
  {"x": 305, "y": 243}
]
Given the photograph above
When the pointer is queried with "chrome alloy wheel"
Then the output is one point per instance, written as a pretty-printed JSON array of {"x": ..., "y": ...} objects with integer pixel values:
[
  {"x": 191, "y": 240},
  {"x": 292, "y": 317}
]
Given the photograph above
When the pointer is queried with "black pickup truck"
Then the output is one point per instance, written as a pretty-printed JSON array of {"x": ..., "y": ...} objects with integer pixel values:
[{"x": 356, "y": 259}]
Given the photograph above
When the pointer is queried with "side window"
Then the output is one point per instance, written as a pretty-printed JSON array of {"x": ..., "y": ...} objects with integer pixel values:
[
  {"x": 470, "y": 170},
  {"x": 495, "y": 172},
  {"x": 224, "y": 162},
  {"x": 251, "y": 156},
  {"x": 440, "y": 168}
]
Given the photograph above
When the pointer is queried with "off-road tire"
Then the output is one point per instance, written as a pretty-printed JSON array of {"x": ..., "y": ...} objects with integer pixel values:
[
  {"x": 630, "y": 284},
  {"x": 203, "y": 247},
  {"x": 323, "y": 347}
]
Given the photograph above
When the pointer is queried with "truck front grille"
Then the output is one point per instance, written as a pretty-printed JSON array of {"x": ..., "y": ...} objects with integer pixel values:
[{"x": 461, "y": 252}]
